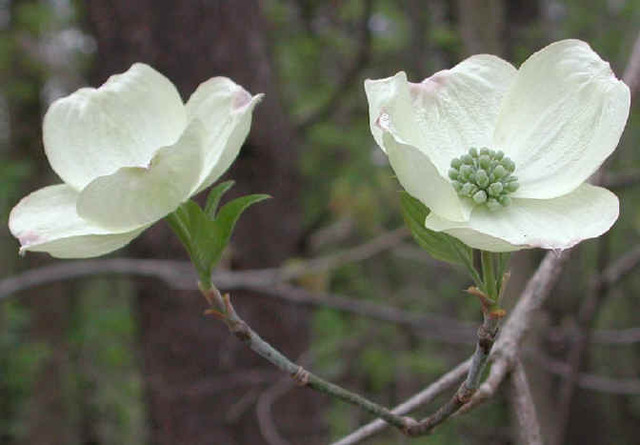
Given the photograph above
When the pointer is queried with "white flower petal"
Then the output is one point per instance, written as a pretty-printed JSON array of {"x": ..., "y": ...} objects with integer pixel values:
[
  {"x": 391, "y": 97},
  {"x": 46, "y": 221},
  {"x": 449, "y": 112},
  {"x": 561, "y": 119},
  {"x": 225, "y": 109},
  {"x": 94, "y": 132},
  {"x": 470, "y": 237},
  {"x": 557, "y": 223},
  {"x": 136, "y": 196},
  {"x": 421, "y": 179}
]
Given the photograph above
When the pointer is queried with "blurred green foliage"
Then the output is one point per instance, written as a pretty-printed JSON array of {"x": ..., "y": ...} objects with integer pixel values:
[{"x": 20, "y": 359}]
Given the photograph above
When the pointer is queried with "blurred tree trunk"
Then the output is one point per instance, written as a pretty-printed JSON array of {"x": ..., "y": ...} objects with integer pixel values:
[
  {"x": 46, "y": 416},
  {"x": 482, "y": 26},
  {"x": 188, "y": 359}
]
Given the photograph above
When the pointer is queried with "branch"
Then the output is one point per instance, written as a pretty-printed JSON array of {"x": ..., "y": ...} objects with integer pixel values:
[
  {"x": 422, "y": 398},
  {"x": 266, "y": 423},
  {"x": 598, "y": 288},
  {"x": 180, "y": 274},
  {"x": 537, "y": 287},
  {"x": 617, "y": 337},
  {"x": 518, "y": 324},
  {"x": 591, "y": 304},
  {"x": 631, "y": 74},
  {"x": 588, "y": 381},
  {"x": 176, "y": 274},
  {"x": 210, "y": 388},
  {"x": 355, "y": 254},
  {"x": 268, "y": 428},
  {"x": 434, "y": 327},
  {"x": 506, "y": 347},
  {"x": 222, "y": 308},
  {"x": 589, "y": 307},
  {"x": 620, "y": 268},
  {"x": 486, "y": 337},
  {"x": 349, "y": 77},
  {"x": 528, "y": 428}
]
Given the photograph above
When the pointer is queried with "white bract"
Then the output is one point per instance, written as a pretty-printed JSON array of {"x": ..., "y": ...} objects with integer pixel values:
[
  {"x": 552, "y": 122},
  {"x": 129, "y": 153}
]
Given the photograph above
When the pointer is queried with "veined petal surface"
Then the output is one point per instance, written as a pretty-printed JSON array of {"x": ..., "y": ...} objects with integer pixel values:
[
  {"x": 561, "y": 119},
  {"x": 449, "y": 112},
  {"x": 558, "y": 223},
  {"x": 46, "y": 221},
  {"x": 136, "y": 196},
  {"x": 94, "y": 132},
  {"x": 225, "y": 109}
]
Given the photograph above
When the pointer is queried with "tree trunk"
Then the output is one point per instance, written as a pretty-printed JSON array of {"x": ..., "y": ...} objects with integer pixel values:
[
  {"x": 45, "y": 415},
  {"x": 200, "y": 380}
]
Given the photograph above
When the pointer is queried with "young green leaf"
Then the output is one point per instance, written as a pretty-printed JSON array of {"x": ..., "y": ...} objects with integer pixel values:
[
  {"x": 214, "y": 197},
  {"x": 439, "y": 245},
  {"x": 230, "y": 212},
  {"x": 206, "y": 234}
]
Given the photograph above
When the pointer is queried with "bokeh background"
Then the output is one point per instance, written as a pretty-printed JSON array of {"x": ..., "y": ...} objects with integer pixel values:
[{"x": 108, "y": 358}]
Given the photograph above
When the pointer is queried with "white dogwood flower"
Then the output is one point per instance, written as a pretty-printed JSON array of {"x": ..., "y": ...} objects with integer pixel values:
[
  {"x": 128, "y": 153},
  {"x": 501, "y": 155}
]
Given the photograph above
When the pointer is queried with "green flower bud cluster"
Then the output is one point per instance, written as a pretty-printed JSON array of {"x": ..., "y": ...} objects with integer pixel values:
[{"x": 485, "y": 176}]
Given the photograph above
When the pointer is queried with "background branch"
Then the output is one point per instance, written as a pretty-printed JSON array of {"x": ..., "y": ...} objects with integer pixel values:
[
  {"x": 506, "y": 348},
  {"x": 586, "y": 380},
  {"x": 518, "y": 324},
  {"x": 589, "y": 307},
  {"x": 424, "y": 397},
  {"x": 524, "y": 410}
]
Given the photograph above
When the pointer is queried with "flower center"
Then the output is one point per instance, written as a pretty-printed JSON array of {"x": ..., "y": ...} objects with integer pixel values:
[{"x": 485, "y": 176}]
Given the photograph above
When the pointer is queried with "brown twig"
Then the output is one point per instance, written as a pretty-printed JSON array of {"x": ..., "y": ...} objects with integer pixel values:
[
  {"x": 507, "y": 345},
  {"x": 621, "y": 268},
  {"x": 591, "y": 304},
  {"x": 518, "y": 324},
  {"x": 435, "y": 327},
  {"x": 616, "y": 336},
  {"x": 180, "y": 274},
  {"x": 243, "y": 332},
  {"x": 586, "y": 380},
  {"x": 523, "y": 408},
  {"x": 422, "y": 398},
  {"x": 222, "y": 308},
  {"x": 355, "y": 254},
  {"x": 268, "y": 428},
  {"x": 266, "y": 423},
  {"x": 486, "y": 337},
  {"x": 210, "y": 388}
]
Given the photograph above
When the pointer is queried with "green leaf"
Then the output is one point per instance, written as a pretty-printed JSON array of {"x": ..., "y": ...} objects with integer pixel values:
[
  {"x": 203, "y": 236},
  {"x": 179, "y": 223},
  {"x": 441, "y": 246},
  {"x": 231, "y": 211},
  {"x": 214, "y": 197}
]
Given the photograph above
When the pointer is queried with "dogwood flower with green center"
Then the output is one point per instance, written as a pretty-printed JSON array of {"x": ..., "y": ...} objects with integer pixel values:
[
  {"x": 128, "y": 153},
  {"x": 501, "y": 155}
]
